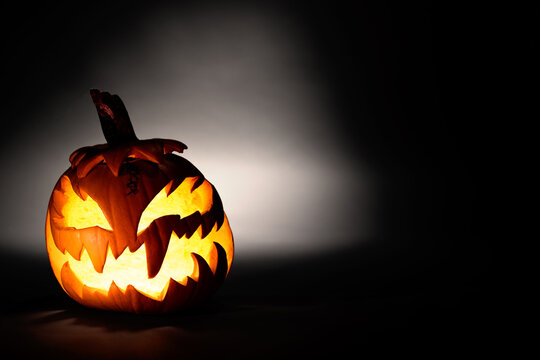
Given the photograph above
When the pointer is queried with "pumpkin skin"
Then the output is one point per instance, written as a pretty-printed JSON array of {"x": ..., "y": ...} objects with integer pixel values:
[{"x": 133, "y": 227}]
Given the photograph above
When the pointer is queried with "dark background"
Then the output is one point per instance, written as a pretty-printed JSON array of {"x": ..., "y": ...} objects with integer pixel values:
[{"x": 420, "y": 71}]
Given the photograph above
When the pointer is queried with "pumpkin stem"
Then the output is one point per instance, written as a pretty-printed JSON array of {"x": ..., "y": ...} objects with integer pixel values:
[{"x": 114, "y": 118}]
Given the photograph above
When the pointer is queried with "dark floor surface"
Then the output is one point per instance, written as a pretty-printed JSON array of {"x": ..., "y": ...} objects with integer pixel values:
[
  {"x": 417, "y": 88},
  {"x": 361, "y": 299}
]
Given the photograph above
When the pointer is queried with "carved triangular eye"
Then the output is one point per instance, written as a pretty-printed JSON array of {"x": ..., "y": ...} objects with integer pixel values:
[
  {"x": 182, "y": 201},
  {"x": 78, "y": 213}
]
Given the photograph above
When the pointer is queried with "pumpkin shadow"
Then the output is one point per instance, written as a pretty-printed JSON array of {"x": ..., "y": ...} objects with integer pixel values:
[
  {"x": 358, "y": 295},
  {"x": 257, "y": 291},
  {"x": 253, "y": 290},
  {"x": 111, "y": 321}
]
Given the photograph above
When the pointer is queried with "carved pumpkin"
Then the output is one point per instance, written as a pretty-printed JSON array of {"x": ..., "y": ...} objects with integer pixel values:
[{"x": 133, "y": 227}]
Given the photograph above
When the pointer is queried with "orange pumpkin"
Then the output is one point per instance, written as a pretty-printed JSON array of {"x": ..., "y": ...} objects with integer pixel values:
[{"x": 133, "y": 227}]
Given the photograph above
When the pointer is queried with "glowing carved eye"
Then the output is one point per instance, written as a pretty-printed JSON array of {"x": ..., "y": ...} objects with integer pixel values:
[
  {"x": 182, "y": 201},
  {"x": 79, "y": 213}
]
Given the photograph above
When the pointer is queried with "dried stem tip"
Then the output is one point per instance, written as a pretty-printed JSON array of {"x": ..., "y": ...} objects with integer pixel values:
[{"x": 114, "y": 118}]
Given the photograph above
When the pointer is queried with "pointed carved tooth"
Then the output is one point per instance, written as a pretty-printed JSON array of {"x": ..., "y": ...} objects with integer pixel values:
[
  {"x": 217, "y": 208},
  {"x": 180, "y": 228},
  {"x": 167, "y": 187},
  {"x": 177, "y": 295},
  {"x": 203, "y": 275},
  {"x": 115, "y": 157},
  {"x": 96, "y": 241},
  {"x": 178, "y": 167},
  {"x": 123, "y": 235},
  {"x": 117, "y": 298},
  {"x": 196, "y": 266},
  {"x": 173, "y": 185},
  {"x": 207, "y": 280},
  {"x": 119, "y": 242},
  {"x": 131, "y": 296},
  {"x": 156, "y": 241},
  {"x": 192, "y": 222},
  {"x": 222, "y": 267},
  {"x": 80, "y": 192},
  {"x": 92, "y": 297},
  {"x": 132, "y": 299},
  {"x": 67, "y": 240},
  {"x": 139, "y": 303},
  {"x": 114, "y": 290},
  {"x": 72, "y": 242},
  {"x": 135, "y": 245},
  {"x": 208, "y": 223},
  {"x": 165, "y": 289},
  {"x": 198, "y": 182}
]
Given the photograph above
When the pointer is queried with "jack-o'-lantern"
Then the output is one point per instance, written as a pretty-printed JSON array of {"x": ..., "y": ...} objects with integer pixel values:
[{"x": 133, "y": 227}]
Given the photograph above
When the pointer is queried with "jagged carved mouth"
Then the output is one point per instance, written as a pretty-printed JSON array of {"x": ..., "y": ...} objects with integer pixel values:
[{"x": 178, "y": 229}]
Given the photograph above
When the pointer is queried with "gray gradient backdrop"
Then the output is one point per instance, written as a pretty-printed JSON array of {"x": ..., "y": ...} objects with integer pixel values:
[
  {"x": 240, "y": 87},
  {"x": 349, "y": 141}
]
